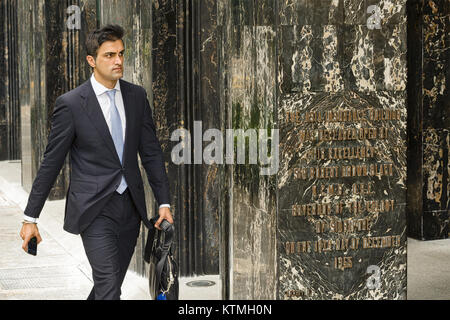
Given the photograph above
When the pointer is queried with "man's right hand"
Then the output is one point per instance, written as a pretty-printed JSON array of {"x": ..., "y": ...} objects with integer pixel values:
[{"x": 28, "y": 231}]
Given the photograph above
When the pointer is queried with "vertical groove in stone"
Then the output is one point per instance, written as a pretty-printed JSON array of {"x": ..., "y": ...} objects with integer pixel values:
[
  {"x": 195, "y": 186},
  {"x": 226, "y": 208},
  {"x": 212, "y": 118},
  {"x": 12, "y": 83},
  {"x": 56, "y": 76},
  {"x": 9, "y": 103},
  {"x": 3, "y": 83},
  {"x": 23, "y": 36},
  {"x": 9, "y": 111}
]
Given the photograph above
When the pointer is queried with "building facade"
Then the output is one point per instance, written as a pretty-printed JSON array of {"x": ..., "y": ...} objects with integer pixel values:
[{"x": 352, "y": 93}]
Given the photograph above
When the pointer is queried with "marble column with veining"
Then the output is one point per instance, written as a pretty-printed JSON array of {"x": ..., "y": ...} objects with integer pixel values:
[
  {"x": 176, "y": 62},
  {"x": 248, "y": 64},
  {"x": 4, "y": 94},
  {"x": 51, "y": 62},
  {"x": 341, "y": 227},
  {"x": 34, "y": 110},
  {"x": 428, "y": 119},
  {"x": 9, "y": 84}
]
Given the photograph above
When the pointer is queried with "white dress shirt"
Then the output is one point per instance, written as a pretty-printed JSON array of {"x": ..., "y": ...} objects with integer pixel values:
[{"x": 103, "y": 100}]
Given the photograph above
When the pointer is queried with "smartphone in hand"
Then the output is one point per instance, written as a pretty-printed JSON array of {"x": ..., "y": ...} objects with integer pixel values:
[{"x": 32, "y": 246}]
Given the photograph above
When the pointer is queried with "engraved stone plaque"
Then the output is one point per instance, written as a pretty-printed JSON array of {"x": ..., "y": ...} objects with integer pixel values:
[{"x": 341, "y": 183}]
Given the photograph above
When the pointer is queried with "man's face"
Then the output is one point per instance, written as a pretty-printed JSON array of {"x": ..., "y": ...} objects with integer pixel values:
[{"x": 109, "y": 61}]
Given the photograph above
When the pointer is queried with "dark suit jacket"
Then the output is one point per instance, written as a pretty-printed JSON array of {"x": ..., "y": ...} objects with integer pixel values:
[{"x": 78, "y": 125}]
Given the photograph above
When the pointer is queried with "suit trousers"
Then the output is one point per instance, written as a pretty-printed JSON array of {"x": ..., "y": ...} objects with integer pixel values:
[{"x": 109, "y": 242}]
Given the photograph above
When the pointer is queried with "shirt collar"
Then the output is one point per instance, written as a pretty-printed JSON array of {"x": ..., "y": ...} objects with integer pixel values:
[{"x": 99, "y": 88}]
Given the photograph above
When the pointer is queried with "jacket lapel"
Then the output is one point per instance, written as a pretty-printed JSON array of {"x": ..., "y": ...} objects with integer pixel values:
[
  {"x": 128, "y": 102},
  {"x": 92, "y": 108}
]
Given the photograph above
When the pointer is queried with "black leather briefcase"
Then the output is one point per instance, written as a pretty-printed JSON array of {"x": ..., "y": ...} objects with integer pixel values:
[{"x": 163, "y": 269}]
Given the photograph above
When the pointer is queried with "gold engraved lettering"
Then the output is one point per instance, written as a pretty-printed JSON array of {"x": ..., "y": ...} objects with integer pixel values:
[
  {"x": 354, "y": 243},
  {"x": 310, "y": 173},
  {"x": 371, "y": 206},
  {"x": 292, "y": 247},
  {"x": 353, "y": 115},
  {"x": 335, "y": 116},
  {"x": 346, "y": 243},
  {"x": 297, "y": 293},
  {"x": 384, "y": 114},
  {"x": 362, "y": 188},
  {"x": 323, "y": 245},
  {"x": 342, "y": 244},
  {"x": 303, "y": 246},
  {"x": 311, "y": 209},
  {"x": 323, "y": 190},
  {"x": 364, "y": 170},
  {"x": 293, "y": 116},
  {"x": 381, "y": 242},
  {"x": 355, "y": 207},
  {"x": 343, "y": 263},
  {"x": 350, "y": 225},
  {"x": 321, "y": 226},
  {"x": 306, "y": 135},
  {"x": 339, "y": 208},
  {"x": 380, "y": 206},
  {"x": 340, "y": 134}
]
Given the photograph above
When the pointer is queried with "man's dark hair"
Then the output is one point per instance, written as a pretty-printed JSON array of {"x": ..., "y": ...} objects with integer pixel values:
[{"x": 95, "y": 39}]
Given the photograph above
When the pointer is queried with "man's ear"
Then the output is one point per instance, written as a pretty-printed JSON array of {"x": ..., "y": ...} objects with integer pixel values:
[{"x": 91, "y": 61}]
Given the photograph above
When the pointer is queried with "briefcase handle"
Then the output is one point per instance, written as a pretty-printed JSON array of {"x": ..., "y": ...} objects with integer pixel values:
[{"x": 169, "y": 231}]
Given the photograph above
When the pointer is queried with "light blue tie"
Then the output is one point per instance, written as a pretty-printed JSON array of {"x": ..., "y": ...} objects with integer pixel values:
[{"x": 117, "y": 134}]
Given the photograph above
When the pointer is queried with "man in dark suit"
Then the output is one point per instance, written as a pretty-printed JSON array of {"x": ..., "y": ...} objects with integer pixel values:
[{"x": 104, "y": 123}]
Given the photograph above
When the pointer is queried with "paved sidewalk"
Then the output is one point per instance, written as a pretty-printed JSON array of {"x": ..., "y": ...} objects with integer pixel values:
[
  {"x": 53, "y": 274},
  {"x": 61, "y": 270},
  {"x": 428, "y": 269}
]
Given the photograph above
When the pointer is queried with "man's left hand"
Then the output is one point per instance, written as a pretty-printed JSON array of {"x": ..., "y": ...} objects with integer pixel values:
[{"x": 164, "y": 213}]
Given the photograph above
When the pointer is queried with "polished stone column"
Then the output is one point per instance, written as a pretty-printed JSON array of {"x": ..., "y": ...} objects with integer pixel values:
[
  {"x": 9, "y": 86},
  {"x": 52, "y": 62},
  {"x": 247, "y": 64},
  {"x": 428, "y": 119},
  {"x": 3, "y": 84},
  {"x": 34, "y": 113},
  {"x": 167, "y": 54},
  {"x": 341, "y": 226}
]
